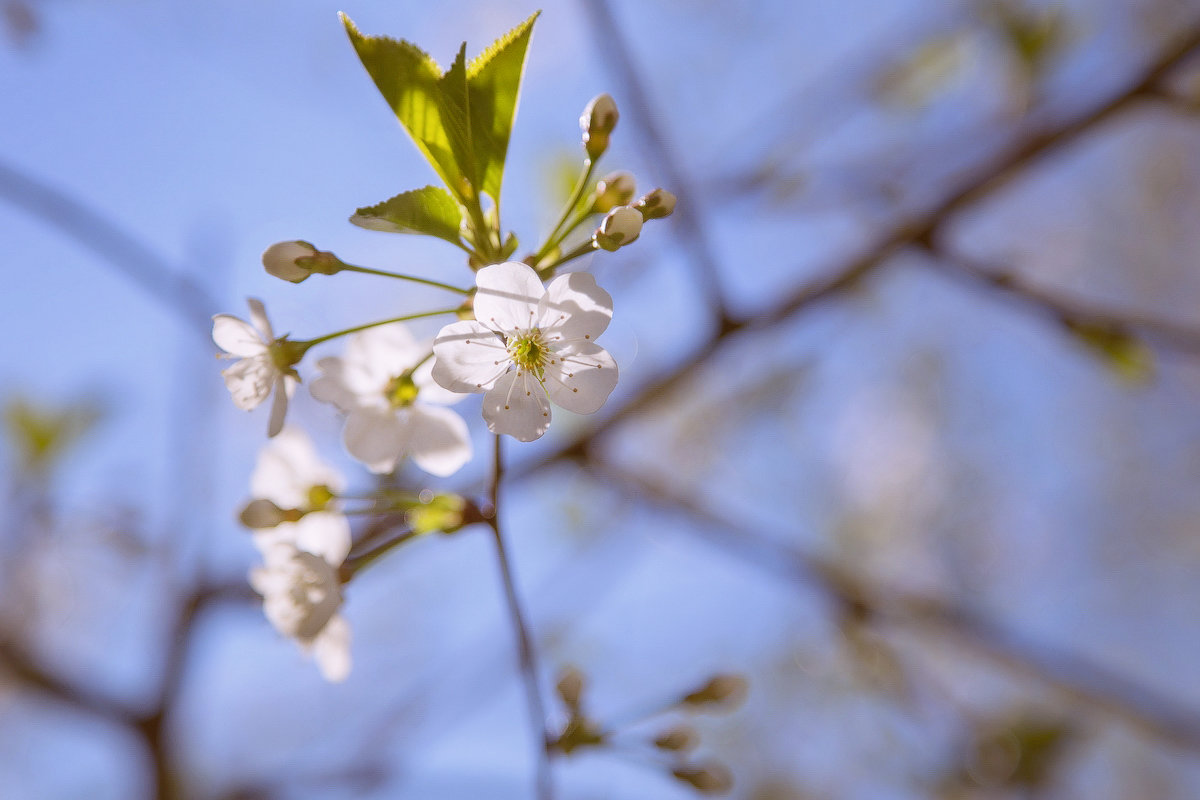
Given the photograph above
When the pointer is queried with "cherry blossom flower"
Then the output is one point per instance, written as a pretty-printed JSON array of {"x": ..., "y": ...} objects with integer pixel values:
[
  {"x": 527, "y": 346},
  {"x": 302, "y": 594},
  {"x": 299, "y": 580},
  {"x": 291, "y": 475},
  {"x": 383, "y": 384},
  {"x": 265, "y": 364}
]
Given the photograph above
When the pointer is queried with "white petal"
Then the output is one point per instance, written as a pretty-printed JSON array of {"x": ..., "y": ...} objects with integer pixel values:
[
  {"x": 508, "y": 296},
  {"x": 331, "y": 386},
  {"x": 249, "y": 381},
  {"x": 331, "y": 649},
  {"x": 279, "y": 407},
  {"x": 376, "y": 437},
  {"x": 324, "y": 534},
  {"x": 237, "y": 337},
  {"x": 469, "y": 357},
  {"x": 258, "y": 315},
  {"x": 517, "y": 405},
  {"x": 574, "y": 308},
  {"x": 390, "y": 349},
  {"x": 581, "y": 378},
  {"x": 440, "y": 443},
  {"x": 430, "y": 391},
  {"x": 288, "y": 466}
]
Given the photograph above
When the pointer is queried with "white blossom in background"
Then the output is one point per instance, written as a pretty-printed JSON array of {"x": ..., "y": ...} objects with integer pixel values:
[
  {"x": 299, "y": 579},
  {"x": 527, "y": 346},
  {"x": 302, "y": 595},
  {"x": 258, "y": 370},
  {"x": 393, "y": 406},
  {"x": 291, "y": 475}
]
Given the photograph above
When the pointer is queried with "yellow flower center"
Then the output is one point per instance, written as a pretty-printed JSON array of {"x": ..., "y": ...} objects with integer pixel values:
[
  {"x": 529, "y": 353},
  {"x": 401, "y": 391}
]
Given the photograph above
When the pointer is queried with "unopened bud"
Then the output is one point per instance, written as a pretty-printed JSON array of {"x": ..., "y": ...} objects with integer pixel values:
[
  {"x": 295, "y": 261},
  {"x": 597, "y": 122},
  {"x": 570, "y": 687},
  {"x": 677, "y": 740},
  {"x": 710, "y": 778},
  {"x": 722, "y": 690},
  {"x": 261, "y": 513},
  {"x": 622, "y": 226},
  {"x": 656, "y": 205},
  {"x": 442, "y": 512},
  {"x": 615, "y": 189}
]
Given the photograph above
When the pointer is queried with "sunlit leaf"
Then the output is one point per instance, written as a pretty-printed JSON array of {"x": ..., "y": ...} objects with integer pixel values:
[
  {"x": 430, "y": 211},
  {"x": 409, "y": 80},
  {"x": 460, "y": 119}
]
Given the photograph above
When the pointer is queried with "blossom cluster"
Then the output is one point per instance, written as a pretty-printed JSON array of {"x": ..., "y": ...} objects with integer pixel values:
[{"x": 524, "y": 337}]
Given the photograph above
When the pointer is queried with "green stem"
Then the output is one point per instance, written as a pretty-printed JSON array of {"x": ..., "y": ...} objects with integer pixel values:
[
  {"x": 353, "y": 566},
  {"x": 585, "y": 178},
  {"x": 310, "y": 342},
  {"x": 403, "y": 277},
  {"x": 583, "y": 249}
]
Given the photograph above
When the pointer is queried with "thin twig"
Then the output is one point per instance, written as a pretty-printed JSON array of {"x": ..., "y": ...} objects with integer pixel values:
[{"x": 527, "y": 656}]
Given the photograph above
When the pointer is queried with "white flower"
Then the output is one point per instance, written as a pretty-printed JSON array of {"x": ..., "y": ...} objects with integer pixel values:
[
  {"x": 301, "y": 597},
  {"x": 386, "y": 391},
  {"x": 529, "y": 345},
  {"x": 263, "y": 363},
  {"x": 299, "y": 579},
  {"x": 290, "y": 474}
]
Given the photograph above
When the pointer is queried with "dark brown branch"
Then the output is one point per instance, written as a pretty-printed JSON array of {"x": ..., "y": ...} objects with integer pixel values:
[{"x": 1078, "y": 678}]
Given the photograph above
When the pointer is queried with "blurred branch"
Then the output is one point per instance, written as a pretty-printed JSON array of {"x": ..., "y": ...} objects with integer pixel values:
[
  {"x": 1067, "y": 311},
  {"x": 1087, "y": 683},
  {"x": 918, "y": 229},
  {"x": 690, "y": 229},
  {"x": 526, "y": 654},
  {"x": 149, "y": 724},
  {"x": 121, "y": 250}
]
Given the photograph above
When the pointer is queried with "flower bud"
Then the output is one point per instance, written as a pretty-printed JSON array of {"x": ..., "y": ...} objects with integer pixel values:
[
  {"x": 710, "y": 778},
  {"x": 656, "y": 205},
  {"x": 442, "y": 512},
  {"x": 721, "y": 690},
  {"x": 622, "y": 226},
  {"x": 597, "y": 122},
  {"x": 615, "y": 189},
  {"x": 295, "y": 261},
  {"x": 261, "y": 513}
]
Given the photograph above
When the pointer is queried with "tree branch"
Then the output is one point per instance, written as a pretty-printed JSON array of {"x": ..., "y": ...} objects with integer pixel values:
[{"x": 1078, "y": 678}]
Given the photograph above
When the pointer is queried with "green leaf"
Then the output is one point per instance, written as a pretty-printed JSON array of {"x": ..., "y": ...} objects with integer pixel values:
[
  {"x": 494, "y": 79},
  {"x": 409, "y": 81},
  {"x": 430, "y": 211},
  {"x": 460, "y": 119}
]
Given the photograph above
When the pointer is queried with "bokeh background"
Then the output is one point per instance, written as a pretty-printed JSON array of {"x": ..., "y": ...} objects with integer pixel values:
[{"x": 906, "y": 433}]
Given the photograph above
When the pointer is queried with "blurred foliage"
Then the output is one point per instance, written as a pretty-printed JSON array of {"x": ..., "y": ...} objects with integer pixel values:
[
  {"x": 1023, "y": 752},
  {"x": 1127, "y": 356},
  {"x": 41, "y": 435}
]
